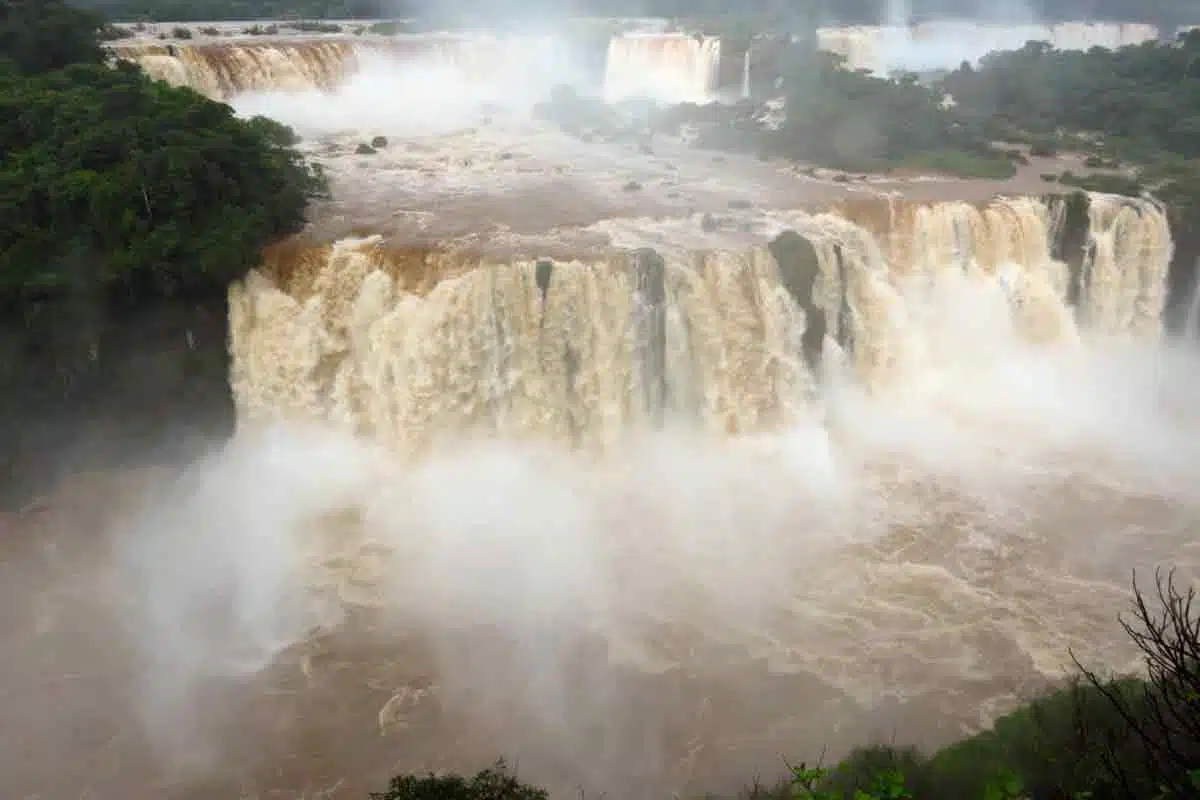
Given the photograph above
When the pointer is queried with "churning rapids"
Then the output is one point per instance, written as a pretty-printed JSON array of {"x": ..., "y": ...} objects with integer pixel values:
[{"x": 644, "y": 519}]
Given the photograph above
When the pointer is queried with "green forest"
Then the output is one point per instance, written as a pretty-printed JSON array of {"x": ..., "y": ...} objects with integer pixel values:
[
  {"x": 859, "y": 122},
  {"x": 116, "y": 184},
  {"x": 1137, "y": 107},
  {"x": 1134, "y": 112}
]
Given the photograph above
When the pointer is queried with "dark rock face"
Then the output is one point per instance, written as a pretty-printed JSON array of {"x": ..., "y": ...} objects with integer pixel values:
[
  {"x": 1183, "y": 281},
  {"x": 798, "y": 271},
  {"x": 1072, "y": 243},
  {"x": 650, "y": 285},
  {"x": 86, "y": 385},
  {"x": 731, "y": 70}
]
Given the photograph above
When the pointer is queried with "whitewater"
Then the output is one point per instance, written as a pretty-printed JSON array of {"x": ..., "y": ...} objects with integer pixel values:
[{"x": 639, "y": 500}]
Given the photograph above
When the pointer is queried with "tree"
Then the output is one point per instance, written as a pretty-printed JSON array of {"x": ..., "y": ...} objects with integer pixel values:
[
  {"x": 113, "y": 180},
  {"x": 109, "y": 180},
  {"x": 42, "y": 35},
  {"x": 494, "y": 783},
  {"x": 1157, "y": 748}
]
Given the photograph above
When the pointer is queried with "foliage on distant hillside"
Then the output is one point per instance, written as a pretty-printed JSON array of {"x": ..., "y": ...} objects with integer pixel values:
[
  {"x": 1141, "y": 101},
  {"x": 36, "y": 35},
  {"x": 1138, "y": 106},
  {"x": 214, "y": 10},
  {"x": 853, "y": 120}
]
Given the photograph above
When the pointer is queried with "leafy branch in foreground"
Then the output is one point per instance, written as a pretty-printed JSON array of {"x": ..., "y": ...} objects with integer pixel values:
[{"x": 1161, "y": 719}]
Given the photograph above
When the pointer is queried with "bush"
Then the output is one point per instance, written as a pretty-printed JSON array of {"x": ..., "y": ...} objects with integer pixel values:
[
  {"x": 387, "y": 28},
  {"x": 963, "y": 164},
  {"x": 113, "y": 180},
  {"x": 112, "y": 33},
  {"x": 314, "y": 27},
  {"x": 495, "y": 783},
  {"x": 1153, "y": 744},
  {"x": 1112, "y": 184},
  {"x": 181, "y": 33},
  {"x": 875, "y": 773},
  {"x": 42, "y": 35}
]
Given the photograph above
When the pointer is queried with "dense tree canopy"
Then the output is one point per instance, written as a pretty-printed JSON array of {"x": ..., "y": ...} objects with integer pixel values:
[
  {"x": 40, "y": 35},
  {"x": 1144, "y": 99},
  {"x": 858, "y": 121},
  {"x": 1138, "y": 105},
  {"x": 206, "y": 10},
  {"x": 109, "y": 179}
]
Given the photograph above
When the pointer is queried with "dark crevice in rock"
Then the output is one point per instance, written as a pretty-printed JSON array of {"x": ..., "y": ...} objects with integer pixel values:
[{"x": 798, "y": 270}]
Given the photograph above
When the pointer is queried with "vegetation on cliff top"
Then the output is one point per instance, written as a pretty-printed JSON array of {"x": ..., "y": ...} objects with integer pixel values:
[
  {"x": 1134, "y": 113},
  {"x": 855, "y": 121},
  {"x": 240, "y": 10},
  {"x": 112, "y": 181},
  {"x": 1096, "y": 739},
  {"x": 1138, "y": 106}
]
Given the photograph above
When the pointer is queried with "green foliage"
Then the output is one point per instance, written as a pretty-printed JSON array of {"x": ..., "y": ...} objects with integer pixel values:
[
  {"x": 314, "y": 27},
  {"x": 1042, "y": 749},
  {"x": 112, "y": 33},
  {"x": 495, "y": 783},
  {"x": 236, "y": 10},
  {"x": 1043, "y": 147},
  {"x": 1141, "y": 100},
  {"x": 1006, "y": 785},
  {"x": 109, "y": 180},
  {"x": 1112, "y": 184},
  {"x": 983, "y": 165},
  {"x": 874, "y": 773},
  {"x": 387, "y": 28},
  {"x": 1061, "y": 747},
  {"x": 1138, "y": 106},
  {"x": 856, "y": 121},
  {"x": 42, "y": 35}
]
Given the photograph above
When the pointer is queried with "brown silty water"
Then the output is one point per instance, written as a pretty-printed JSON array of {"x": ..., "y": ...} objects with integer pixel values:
[{"x": 626, "y": 521}]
